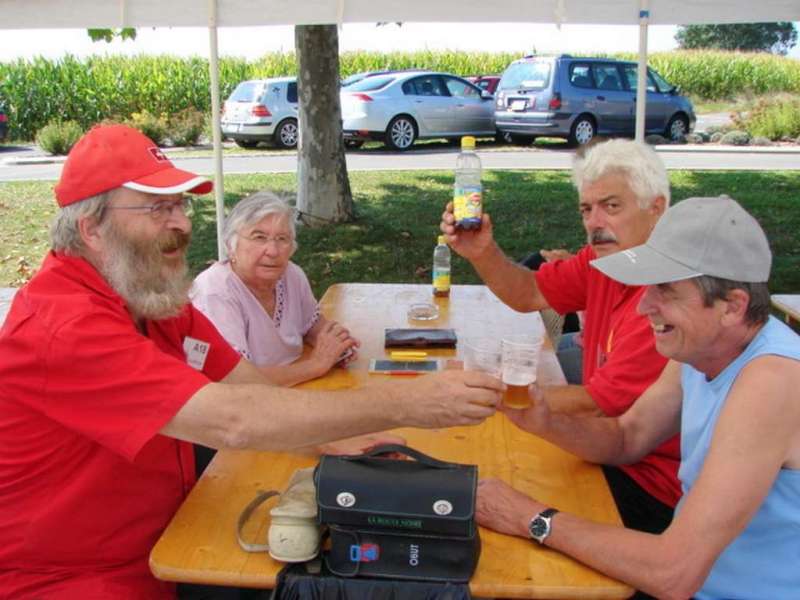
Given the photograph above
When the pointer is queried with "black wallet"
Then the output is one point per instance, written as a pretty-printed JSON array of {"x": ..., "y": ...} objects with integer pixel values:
[{"x": 420, "y": 338}]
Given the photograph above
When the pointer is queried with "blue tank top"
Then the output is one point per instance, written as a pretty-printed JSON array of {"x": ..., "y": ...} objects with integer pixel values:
[{"x": 764, "y": 561}]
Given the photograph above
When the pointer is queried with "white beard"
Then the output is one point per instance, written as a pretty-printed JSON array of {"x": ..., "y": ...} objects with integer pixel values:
[{"x": 136, "y": 270}]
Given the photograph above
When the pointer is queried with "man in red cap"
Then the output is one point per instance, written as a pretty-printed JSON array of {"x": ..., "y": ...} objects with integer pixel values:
[{"x": 107, "y": 373}]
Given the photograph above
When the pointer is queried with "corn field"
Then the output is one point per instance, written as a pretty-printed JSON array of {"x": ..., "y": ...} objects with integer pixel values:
[{"x": 89, "y": 90}]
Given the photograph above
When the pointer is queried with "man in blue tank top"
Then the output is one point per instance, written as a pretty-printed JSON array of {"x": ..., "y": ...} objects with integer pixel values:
[{"x": 730, "y": 389}]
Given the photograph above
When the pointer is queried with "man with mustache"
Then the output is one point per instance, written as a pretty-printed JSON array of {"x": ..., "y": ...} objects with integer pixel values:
[
  {"x": 623, "y": 190},
  {"x": 730, "y": 388},
  {"x": 107, "y": 373}
]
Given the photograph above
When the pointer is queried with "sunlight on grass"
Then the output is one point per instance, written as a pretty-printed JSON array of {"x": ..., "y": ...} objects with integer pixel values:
[{"x": 397, "y": 221}]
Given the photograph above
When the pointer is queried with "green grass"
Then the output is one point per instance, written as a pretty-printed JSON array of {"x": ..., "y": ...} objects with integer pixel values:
[{"x": 395, "y": 230}]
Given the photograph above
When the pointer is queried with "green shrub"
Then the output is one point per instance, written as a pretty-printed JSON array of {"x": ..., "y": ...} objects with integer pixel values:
[
  {"x": 712, "y": 129},
  {"x": 716, "y": 137},
  {"x": 760, "y": 141},
  {"x": 186, "y": 127},
  {"x": 772, "y": 118},
  {"x": 59, "y": 137},
  {"x": 694, "y": 138},
  {"x": 735, "y": 138},
  {"x": 153, "y": 126}
]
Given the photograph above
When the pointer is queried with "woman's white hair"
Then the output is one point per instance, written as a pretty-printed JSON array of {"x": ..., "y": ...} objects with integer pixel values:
[
  {"x": 637, "y": 162},
  {"x": 250, "y": 211}
]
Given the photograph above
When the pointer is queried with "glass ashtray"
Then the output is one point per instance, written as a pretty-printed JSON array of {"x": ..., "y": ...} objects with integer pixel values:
[{"x": 423, "y": 311}]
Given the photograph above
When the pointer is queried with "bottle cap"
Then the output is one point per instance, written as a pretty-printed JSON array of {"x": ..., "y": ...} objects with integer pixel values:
[
  {"x": 468, "y": 142},
  {"x": 441, "y": 240}
]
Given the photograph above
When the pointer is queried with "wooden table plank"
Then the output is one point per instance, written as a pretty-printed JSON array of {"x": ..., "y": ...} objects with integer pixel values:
[
  {"x": 200, "y": 544},
  {"x": 789, "y": 304}
]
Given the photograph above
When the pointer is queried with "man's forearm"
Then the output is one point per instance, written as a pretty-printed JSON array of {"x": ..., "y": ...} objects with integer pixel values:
[
  {"x": 596, "y": 439},
  {"x": 514, "y": 284},
  {"x": 275, "y": 418},
  {"x": 651, "y": 563},
  {"x": 571, "y": 400}
]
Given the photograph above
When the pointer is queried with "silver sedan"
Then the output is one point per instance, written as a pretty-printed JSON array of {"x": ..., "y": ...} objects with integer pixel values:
[{"x": 400, "y": 108}]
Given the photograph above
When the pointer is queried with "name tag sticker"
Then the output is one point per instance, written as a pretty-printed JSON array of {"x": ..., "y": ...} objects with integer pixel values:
[{"x": 196, "y": 352}]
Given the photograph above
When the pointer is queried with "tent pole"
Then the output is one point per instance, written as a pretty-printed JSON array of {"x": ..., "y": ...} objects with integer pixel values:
[
  {"x": 641, "y": 85},
  {"x": 213, "y": 66}
]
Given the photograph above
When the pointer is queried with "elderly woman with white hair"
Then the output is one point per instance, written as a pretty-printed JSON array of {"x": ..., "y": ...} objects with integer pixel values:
[{"x": 262, "y": 303}]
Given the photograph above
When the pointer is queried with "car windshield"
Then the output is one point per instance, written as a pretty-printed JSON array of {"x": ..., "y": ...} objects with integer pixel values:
[
  {"x": 247, "y": 91},
  {"x": 663, "y": 86},
  {"x": 369, "y": 84},
  {"x": 532, "y": 75},
  {"x": 353, "y": 78}
]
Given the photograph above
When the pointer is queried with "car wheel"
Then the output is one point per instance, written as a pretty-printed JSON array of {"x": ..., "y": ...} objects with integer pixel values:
[
  {"x": 677, "y": 128},
  {"x": 246, "y": 143},
  {"x": 502, "y": 137},
  {"x": 401, "y": 133},
  {"x": 583, "y": 130},
  {"x": 353, "y": 144},
  {"x": 286, "y": 134}
]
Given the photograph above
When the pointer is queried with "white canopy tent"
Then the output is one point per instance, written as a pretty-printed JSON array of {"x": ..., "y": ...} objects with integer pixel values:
[
  {"x": 37, "y": 14},
  {"x": 57, "y": 14}
]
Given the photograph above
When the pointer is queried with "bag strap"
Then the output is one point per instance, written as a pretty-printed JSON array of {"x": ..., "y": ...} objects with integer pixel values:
[
  {"x": 261, "y": 497},
  {"x": 407, "y": 451}
]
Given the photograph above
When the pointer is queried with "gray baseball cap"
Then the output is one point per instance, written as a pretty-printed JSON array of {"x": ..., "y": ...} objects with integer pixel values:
[{"x": 699, "y": 236}]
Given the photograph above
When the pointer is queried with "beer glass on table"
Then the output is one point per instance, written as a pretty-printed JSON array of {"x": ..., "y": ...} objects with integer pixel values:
[{"x": 520, "y": 359}]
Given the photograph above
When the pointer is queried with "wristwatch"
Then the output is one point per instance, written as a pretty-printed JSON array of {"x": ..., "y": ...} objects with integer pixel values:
[{"x": 539, "y": 527}]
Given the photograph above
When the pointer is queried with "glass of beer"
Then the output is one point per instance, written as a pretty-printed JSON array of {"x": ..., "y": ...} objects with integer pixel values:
[
  {"x": 520, "y": 359},
  {"x": 483, "y": 354}
]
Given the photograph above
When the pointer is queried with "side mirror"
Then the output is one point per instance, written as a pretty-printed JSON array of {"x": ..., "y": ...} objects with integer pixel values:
[{"x": 487, "y": 95}]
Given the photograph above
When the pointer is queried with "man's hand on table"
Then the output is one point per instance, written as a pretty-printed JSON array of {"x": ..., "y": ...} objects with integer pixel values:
[
  {"x": 502, "y": 508},
  {"x": 446, "y": 399}
]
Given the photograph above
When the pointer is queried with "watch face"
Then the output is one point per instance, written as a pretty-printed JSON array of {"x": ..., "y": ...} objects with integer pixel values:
[{"x": 538, "y": 527}]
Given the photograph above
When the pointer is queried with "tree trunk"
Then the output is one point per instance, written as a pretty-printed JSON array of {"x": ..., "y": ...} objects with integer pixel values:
[{"x": 323, "y": 188}]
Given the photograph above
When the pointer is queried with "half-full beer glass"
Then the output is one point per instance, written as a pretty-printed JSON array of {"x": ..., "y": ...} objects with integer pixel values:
[{"x": 520, "y": 361}]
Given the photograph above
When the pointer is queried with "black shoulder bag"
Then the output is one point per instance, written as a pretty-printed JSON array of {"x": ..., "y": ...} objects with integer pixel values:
[{"x": 402, "y": 519}]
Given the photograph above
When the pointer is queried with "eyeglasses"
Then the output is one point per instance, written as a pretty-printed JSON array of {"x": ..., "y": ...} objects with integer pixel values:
[
  {"x": 262, "y": 239},
  {"x": 162, "y": 210}
]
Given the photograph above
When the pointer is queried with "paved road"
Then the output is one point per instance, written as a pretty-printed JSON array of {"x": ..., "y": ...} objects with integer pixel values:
[{"x": 674, "y": 158}]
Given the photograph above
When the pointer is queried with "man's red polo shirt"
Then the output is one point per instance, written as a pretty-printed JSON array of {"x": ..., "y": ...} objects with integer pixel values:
[
  {"x": 620, "y": 360},
  {"x": 87, "y": 484}
]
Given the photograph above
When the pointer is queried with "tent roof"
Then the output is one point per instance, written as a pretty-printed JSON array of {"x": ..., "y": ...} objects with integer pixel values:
[{"x": 39, "y": 14}]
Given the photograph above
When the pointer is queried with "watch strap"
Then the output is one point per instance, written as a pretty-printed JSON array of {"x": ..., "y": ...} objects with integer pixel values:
[{"x": 547, "y": 513}]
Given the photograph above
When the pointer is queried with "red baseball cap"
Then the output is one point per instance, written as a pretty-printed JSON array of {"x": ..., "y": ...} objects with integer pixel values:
[{"x": 112, "y": 156}]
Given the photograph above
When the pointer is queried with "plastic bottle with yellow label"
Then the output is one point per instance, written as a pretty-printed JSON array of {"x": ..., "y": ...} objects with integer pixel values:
[
  {"x": 441, "y": 269},
  {"x": 468, "y": 191}
]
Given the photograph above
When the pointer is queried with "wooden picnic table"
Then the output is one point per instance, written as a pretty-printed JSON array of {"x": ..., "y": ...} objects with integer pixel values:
[{"x": 200, "y": 546}]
